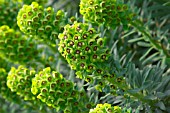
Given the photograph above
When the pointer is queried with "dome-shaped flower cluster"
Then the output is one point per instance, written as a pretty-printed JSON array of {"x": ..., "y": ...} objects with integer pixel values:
[
  {"x": 84, "y": 49},
  {"x": 4, "y": 90},
  {"x": 107, "y": 108},
  {"x": 109, "y": 12},
  {"x": 8, "y": 13},
  {"x": 16, "y": 47},
  {"x": 57, "y": 92},
  {"x": 20, "y": 81},
  {"x": 45, "y": 23}
]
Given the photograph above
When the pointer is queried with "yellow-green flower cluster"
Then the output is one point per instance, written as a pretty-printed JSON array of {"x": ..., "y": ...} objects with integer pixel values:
[
  {"x": 84, "y": 49},
  {"x": 16, "y": 47},
  {"x": 57, "y": 92},
  {"x": 20, "y": 81},
  {"x": 8, "y": 13},
  {"x": 4, "y": 90},
  {"x": 43, "y": 22},
  {"x": 109, "y": 12},
  {"x": 107, "y": 108}
]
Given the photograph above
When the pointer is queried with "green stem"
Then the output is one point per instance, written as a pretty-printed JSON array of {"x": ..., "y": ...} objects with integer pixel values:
[{"x": 137, "y": 96}]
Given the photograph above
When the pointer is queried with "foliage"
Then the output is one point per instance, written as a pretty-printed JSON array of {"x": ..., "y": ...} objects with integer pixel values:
[{"x": 103, "y": 56}]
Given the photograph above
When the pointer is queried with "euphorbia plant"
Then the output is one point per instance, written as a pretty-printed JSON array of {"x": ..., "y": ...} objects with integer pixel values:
[{"x": 56, "y": 62}]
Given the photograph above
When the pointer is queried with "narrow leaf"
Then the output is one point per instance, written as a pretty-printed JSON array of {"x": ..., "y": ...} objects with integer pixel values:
[{"x": 148, "y": 51}]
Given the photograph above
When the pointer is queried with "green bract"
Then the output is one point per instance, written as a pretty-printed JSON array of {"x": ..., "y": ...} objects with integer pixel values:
[
  {"x": 107, "y": 108},
  {"x": 16, "y": 47},
  {"x": 58, "y": 92},
  {"x": 20, "y": 81},
  {"x": 8, "y": 13},
  {"x": 84, "y": 50},
  {"x": 45, "y": 23},
  {"x": 109, "y": 12},
  {"x": 4, "y": 90}
]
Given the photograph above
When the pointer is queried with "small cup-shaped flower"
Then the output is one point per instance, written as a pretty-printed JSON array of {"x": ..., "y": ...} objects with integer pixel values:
[{"x": 100, "y": 85}]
